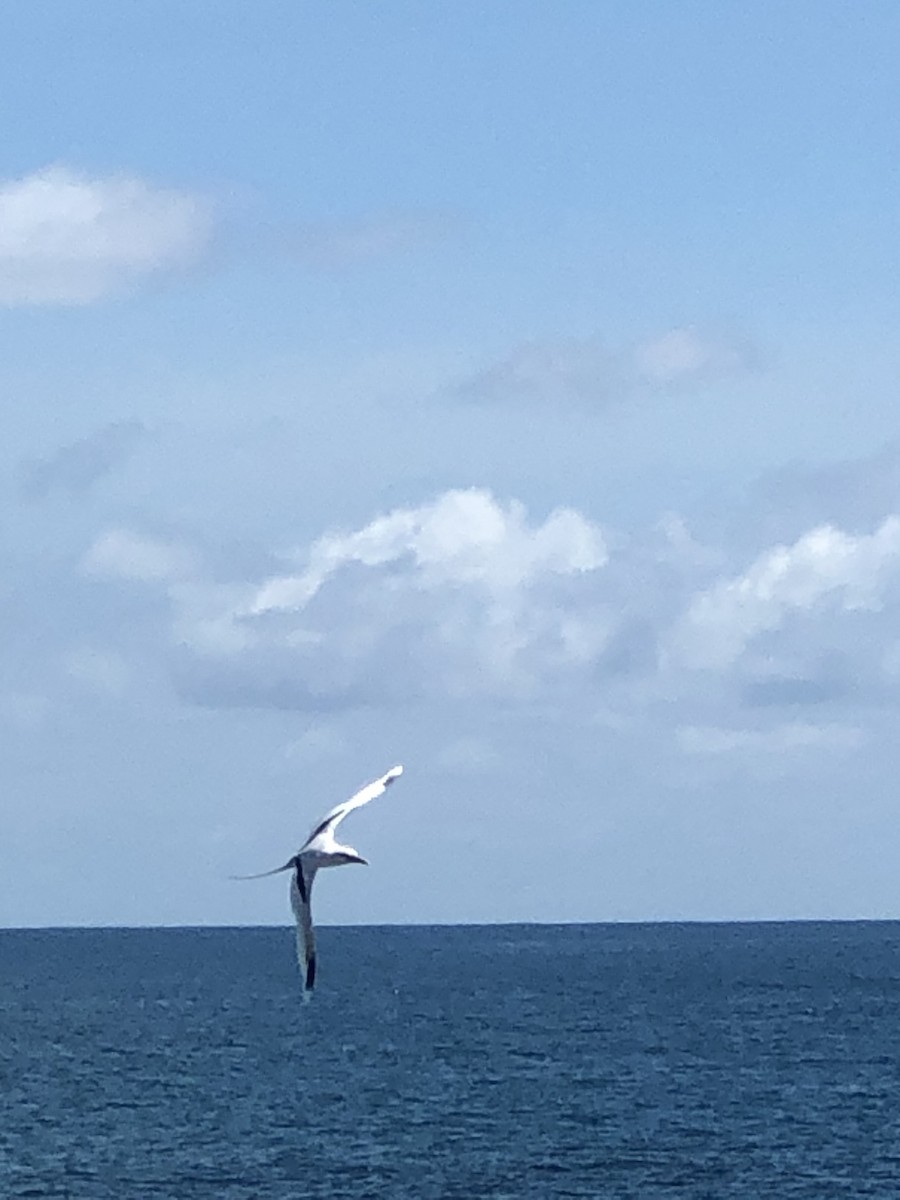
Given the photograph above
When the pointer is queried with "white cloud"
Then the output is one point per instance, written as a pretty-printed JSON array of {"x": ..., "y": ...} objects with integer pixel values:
[
  {"x": 125, "y": 555},
  {"x": 468, "y": 597},
  {"x": 825, "y": 565},
  {"x": 462, "y": 538},
  {"x": 464, "y": 583},
  {"x": 68, "y": 238},
  {"x": 461, "y": 595}
]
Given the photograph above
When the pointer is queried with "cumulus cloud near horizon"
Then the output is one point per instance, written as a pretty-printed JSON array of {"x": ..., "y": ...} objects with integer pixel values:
[
  {"x": 461, "y": 595},
  {"x": 470, "y": 598},
  {"x": 823, "y": 566},
  {"x": 69, "y": 238}
]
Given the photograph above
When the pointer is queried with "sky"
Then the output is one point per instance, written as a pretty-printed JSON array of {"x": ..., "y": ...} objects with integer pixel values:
[{"x": 509, "y": 391}]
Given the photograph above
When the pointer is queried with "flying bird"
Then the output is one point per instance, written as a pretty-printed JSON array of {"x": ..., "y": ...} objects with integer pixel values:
[{"x": 320, "y": 850}]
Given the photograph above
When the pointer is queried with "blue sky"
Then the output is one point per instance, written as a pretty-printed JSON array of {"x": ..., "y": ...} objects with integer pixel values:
[{"x": 505, "y": 390}]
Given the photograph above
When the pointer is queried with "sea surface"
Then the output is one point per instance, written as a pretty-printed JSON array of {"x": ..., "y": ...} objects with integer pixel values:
[{"x": 702, "y": 1061}]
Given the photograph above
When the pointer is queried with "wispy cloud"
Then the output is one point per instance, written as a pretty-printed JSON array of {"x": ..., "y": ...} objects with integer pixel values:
[
  {"x": 121, "y": 554},
  {"x": 318, "y": 742},
  {"x": 469, "y": 756},
  {"x": 687, "y": 356},
  {"x": 76, "y": 467},
  {"x": 585, "y": 372},
  {"x": 574, "y": 371},
  {"x": 69, "y": 238},
  {"x": 338, "y": 245},
  {"x": 24, "y": 710},
  {"x": 792, "y": 736},
  {"x": 99, "y": 670}
]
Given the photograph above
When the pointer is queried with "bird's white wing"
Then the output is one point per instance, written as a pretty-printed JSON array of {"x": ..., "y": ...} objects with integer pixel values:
[
  {"x": 332, "y": 819},
  {"x": 301, "y": 895}
]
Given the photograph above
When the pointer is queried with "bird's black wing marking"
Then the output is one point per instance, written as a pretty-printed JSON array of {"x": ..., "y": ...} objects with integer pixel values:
[
  {"x": 337, "y": 814},
  {"x": 301, "y": 882},
  {"x": 321, "y": 828},
  {"x": 310, "y": 972}
]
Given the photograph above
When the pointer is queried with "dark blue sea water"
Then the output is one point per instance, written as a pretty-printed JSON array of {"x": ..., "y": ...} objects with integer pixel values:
[{"x": 697, "y": 1061}]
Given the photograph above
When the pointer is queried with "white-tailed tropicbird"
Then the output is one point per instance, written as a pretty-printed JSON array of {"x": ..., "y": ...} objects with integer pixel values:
[{"x": 321, "y": 850}]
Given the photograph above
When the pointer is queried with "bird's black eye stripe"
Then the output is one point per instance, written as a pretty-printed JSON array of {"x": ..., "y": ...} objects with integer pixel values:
[{"x": 311, "y": 973}]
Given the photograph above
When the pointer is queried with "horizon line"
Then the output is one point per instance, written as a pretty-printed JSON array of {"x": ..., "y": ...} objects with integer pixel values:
[{"x": 653, "y": 921}]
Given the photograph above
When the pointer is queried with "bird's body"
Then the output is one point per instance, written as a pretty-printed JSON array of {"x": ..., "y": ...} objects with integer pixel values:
[{"x": 320, "y": 850}]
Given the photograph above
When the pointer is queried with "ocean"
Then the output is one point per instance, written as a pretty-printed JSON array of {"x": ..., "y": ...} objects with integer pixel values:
[{"x": 434, "y": 1063}]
